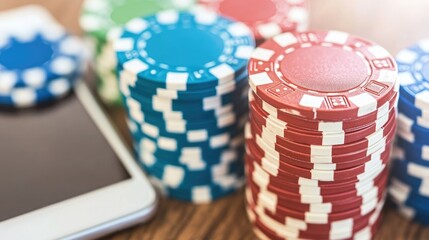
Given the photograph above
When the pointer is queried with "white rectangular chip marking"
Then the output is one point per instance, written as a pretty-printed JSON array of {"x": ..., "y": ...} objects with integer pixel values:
[
  {"x": 285, "y": 39},
  {"x": 150, "y": 130},
  {"x": 407, "y": 56},
  {"x": 406, "y": 78},
  {"x": 337, "y": 37},
  {"x": 260, "y": 79},
  {"x": 262, "y": 54},
  {"x": 137, "y": 25},
  {"x": 378, "y": 51},
  {"x": 330, "y": 126},
  {"x": 269, "y": 30},
  {"x": 197, "y": 135},
  {"x": 422, "y": 100},
  {"x": 424, "y": 45},
  {"x": 173, "y": 176},
  {"x": 317, "y": 150},
  {"x": 366, "y": 103},
  {"x": 238, "y": 29},
  {"x": 201, "y": 194},
  {"x": 167, "y": 17},
  {"x": 177, "y": 80},
  {"x": 244, "y": 52},
  {"x": 167, "y": 143},
  {"x": 135, "y": 66},
  {"x": 224, "y": 73},
  {"x": 124, "y": 44},
  {"x": 311, "y": 101}
]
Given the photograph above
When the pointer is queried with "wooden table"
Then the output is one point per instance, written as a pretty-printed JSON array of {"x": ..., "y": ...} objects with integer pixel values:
[{"x": 392, "y": 23}]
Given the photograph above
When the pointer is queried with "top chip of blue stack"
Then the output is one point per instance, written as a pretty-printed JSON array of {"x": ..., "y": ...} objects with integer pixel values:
[
  {"x": 413, "y": 64},
  {"x": 39, "y": 60},
  {"x": 216, "y": 52}
]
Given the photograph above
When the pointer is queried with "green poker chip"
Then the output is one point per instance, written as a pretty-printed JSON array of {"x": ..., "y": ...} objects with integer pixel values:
[
  {"x": 101, "y": 21},
  {"x": 100, "y": 16}
]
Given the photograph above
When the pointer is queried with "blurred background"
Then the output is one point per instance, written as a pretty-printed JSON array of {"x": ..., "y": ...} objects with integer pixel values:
[{"x": 392, "y": 23}]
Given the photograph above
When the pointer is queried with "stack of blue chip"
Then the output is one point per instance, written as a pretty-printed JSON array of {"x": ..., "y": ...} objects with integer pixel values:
[
  {"x": 409, "y": 188},
  {"x": 39, "y": 60},
  {"x": 183, "y": 79}
]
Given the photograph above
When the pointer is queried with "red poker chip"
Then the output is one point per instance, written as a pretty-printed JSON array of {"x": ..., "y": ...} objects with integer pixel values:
[
  {"x": 288, "y": 171},
  {"x": 292, "y": 158},
  {"x": 324, "y": 139},
  {"x": 361, "y": 231},
  {"x": 280, "y": 175},
  {"x": 336, "y": 207},
  {"x": 266, "y": 18},
  {"x": 322, "y": 189},
  {"x": 319, "y": 125},
  {"x": 375, "y": 190},
  {"x": 282, "y": 168},
  {"x": 318, "y": 138},
  {"x": 303, "y": 126},
  {"x": 276, "y": 149},
  {"x": 313, "y": 186},
  {"x": 326, "y": 154},
  {"x": 264, "y": 233},
  {"x": 358, "y": 188},
  {"x": 283, "y": 194},
  {"x": 312, "y": 219},
  {"x": 316, "y": 231},
  {"x": 324, "y": 75}
]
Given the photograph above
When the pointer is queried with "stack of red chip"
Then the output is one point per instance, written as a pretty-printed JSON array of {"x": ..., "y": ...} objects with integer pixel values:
[
  {"x": 266, "y": 18},
  {"x": 322, "y": 119}
]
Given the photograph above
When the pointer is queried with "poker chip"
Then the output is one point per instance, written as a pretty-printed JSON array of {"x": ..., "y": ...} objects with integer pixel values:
[
  {"x": 266, "y": 18},
  {"x": 101, "y": 21},
  {"x": 39, "y": 61},
  {"x": 408, "y": 188},
  {"x": 319, "y": 137},
  {"x": 367, "y": 75},
  {"x": 186, "y": 99}
]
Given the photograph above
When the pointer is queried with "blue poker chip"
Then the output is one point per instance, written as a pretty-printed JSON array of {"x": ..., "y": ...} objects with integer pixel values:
[
  {"x": 212, "y": 126},
  {"x": 29, "y": 97},
  {"x": 184, "y": 50},
  {"x": 182, "y": 177},
  {"x": 413, "y": 66},
  {"x": 156, "y": 103},
  {"x": 412, "y": 213},
  {"x": 194, "y": 152},
  {"x": 198, "y": 139},
  {"x": 142, "y": 88},
  {"x": 37, "y": 61},
  {"x": 413, "y": 152},
  {"x": 409, "y": 200},
  {"x": 401, "y": 170},
  {"x": 407, "y": 108},
  {"x": 191, "y": 116},
  {"x": 202, "y": 193}
]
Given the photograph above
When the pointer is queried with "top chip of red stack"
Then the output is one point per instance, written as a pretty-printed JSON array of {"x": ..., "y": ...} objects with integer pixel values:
[
  {"x": 266, "y": 18},
  {"x": 323, "y": 75}
]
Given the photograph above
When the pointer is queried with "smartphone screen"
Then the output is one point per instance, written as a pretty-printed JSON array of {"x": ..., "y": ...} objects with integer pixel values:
[{"x": 50, "y": 154}]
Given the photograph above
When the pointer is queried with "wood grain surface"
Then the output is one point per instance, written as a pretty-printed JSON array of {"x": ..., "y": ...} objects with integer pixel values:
[{"x": 394, "y": 24}]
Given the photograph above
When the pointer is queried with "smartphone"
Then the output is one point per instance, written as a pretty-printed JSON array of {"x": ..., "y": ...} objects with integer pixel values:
[{"x": 65, "y": 173}]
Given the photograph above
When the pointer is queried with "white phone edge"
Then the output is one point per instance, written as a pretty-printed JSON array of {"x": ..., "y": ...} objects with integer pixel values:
[{"x": 96, "y": 213}]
